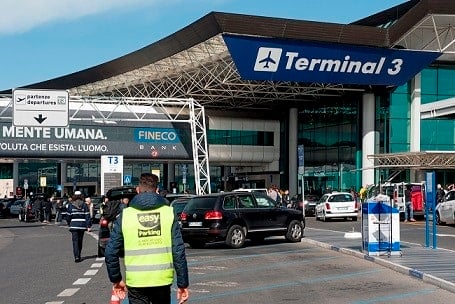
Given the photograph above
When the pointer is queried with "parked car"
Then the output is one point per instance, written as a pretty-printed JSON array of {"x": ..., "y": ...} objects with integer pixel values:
[
  {"x": 170, "y": 197},
  {"x": 178, "y": 205},
  {"x": 445, "y": 211},
  {"x": 337, "y": 205},
  {"x": 7, "y": 202},
  {"x": 15, "y": 208},
  {"x": 27, "y": 213},
  {"x": 233, "y": 217},
  {"x": 105, "y": 223},
  {"x": 309, "y": 204}
]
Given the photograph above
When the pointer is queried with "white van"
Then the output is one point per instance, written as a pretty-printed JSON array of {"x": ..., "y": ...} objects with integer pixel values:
[{"x": 396, "y": 193}]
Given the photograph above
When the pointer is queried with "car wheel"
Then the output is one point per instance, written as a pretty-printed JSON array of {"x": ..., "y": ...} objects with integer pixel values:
[
  {"x": 324, "y": 219},
  {"x": 100, "y": 251},
  {"x": 235, "y": 237},
  {"x": 196, "y": 244},
  {"x": 295, "y": 231},
  {"x": 354, "y": 218}
]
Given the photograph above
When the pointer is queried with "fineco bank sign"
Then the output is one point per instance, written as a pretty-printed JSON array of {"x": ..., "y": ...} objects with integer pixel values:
[
  {"x": 301, "y": 61},
  {"x": 93, "y": 141}
]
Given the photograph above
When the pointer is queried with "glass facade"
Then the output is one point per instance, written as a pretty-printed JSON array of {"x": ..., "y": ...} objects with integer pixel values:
[
  {"x": 436, "y": 134},
  {"x": 329, "y": 132},
  {"x": 42, "y": 177},
  {"x": 239, "y": 137}
]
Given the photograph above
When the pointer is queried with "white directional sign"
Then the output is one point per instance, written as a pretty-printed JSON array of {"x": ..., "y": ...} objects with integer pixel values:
[{"x": 40, "y": 108}]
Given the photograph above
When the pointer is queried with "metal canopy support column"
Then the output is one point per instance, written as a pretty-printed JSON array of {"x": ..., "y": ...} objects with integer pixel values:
[{"x": 200, "y": 151}]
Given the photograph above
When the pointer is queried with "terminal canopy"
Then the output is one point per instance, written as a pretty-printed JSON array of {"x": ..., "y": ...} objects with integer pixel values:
[{"x": 415, "y": 160}]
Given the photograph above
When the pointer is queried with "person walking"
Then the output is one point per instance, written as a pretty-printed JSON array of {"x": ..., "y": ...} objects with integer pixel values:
[
  {"x": 78, "y": 218},
  {"x": 149, "y": 235},
  {"x": 48, "y": 205},
  {"x": 408, "y": 209},
  {"x": 91, "y": 210}
]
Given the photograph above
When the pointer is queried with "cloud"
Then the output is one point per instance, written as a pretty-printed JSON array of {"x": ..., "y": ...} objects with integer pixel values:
[{"x": 20, "y": 16}]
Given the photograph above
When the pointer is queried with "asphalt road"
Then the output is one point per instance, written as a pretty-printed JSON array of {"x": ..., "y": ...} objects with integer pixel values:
[{"x": 37, "y": 267}]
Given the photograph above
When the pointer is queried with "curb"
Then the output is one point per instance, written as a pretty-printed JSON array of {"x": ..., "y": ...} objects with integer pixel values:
[{"x": 414, "y": 273}]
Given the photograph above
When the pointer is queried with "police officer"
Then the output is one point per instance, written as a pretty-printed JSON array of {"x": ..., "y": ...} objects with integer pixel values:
[
  {"x": 149, "y": 234},
  {"x": 78, "y": 218}
]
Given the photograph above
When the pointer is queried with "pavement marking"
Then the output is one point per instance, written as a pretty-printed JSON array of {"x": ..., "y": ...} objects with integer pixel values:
[
  {"x": 68, "y": 292},
  {"x": 449, "y": 235},
  {"x": 55, "y": 302},
  {"x": 81, "y": 281},
  {"x": 96, "y": 265},
  {"x": 91, "y": 272}
]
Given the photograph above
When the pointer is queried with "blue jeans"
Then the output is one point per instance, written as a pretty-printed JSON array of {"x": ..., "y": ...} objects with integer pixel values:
[{"x": 408, "y": 210}]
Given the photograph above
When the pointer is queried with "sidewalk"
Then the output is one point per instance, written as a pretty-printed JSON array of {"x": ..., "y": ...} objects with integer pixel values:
[{"x": 434, "y": 266}]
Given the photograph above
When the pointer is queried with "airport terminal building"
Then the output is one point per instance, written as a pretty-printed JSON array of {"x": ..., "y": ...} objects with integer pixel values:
[{"x": 285, "y": 102}]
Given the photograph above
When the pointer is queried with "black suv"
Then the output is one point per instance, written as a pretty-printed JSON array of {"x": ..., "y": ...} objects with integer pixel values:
[{"x": 233, "y": 217}]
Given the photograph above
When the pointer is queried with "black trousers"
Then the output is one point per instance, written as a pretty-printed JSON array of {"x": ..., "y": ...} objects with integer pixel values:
[
  {"x": 147, "y": 295},
  {"x": 77, "y": 238}
]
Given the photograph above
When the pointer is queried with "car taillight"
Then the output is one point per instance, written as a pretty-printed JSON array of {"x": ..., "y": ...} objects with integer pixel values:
[
  {"x": 213, "y": 215},
  {"x": 104, "y": 222},
  {"x": 327, "y": 206},
  {"x": 183, "y": 216},
  {"x": 356, "y": 206}
]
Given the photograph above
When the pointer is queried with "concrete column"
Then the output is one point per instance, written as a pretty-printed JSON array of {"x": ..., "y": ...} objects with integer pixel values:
[
  {"x": 293, "y": 163},
  {"x": 414, "y": 132},
  {"x": 170, "y": 175},
  {"x": 16, "y": 182},
  {"x": 368, "y": 137}
]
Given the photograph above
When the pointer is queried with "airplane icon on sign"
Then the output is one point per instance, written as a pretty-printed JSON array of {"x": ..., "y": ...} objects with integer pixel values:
[{"x": 267, "y": 59}]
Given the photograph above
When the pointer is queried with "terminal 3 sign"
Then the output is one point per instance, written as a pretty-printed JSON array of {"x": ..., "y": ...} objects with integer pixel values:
[
  {"x": 90, "y": 141},
  {"x": 258, "y": 58}
]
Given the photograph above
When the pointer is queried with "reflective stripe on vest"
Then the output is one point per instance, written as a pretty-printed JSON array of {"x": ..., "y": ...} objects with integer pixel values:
[{"x": 148, "y": 246}]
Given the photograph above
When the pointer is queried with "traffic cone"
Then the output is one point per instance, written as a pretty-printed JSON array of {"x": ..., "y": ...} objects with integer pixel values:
[{"x": 114, "y": 298}]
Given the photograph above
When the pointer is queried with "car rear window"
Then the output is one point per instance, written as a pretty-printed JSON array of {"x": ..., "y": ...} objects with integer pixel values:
[
  {"x": 201, "y": 203},
  {"x": 341, "y": 198}
]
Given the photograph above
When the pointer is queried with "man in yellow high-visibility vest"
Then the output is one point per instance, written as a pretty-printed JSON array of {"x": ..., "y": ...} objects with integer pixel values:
[{"x": 149, "y": 234}]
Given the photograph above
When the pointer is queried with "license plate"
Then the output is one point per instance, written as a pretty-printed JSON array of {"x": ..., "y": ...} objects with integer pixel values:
[
  {"x": 195, "y": 224},
  {"x": 342, "y": 208}
]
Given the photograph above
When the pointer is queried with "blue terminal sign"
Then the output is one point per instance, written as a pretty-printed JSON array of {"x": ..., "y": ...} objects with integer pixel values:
[{"x": 258, "y": 58}]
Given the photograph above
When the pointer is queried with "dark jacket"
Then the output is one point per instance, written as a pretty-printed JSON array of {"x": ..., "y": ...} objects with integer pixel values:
[
  {"x": 146, "y": 201},
  {"x": 78, "y": 216}
]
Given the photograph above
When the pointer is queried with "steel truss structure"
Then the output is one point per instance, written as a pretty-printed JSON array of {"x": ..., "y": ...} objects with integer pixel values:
[
  {"x": 206, "y": 73},
  {"x": 415, "y": 160},
  {"x": 435, "y": 32},
  {"x": 113, "y": 110}
]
